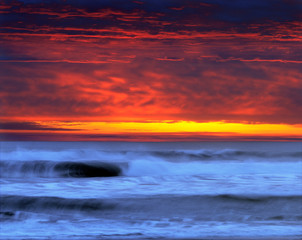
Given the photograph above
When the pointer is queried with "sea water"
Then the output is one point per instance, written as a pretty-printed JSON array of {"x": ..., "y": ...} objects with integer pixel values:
[{"x": 182, "y": 190}]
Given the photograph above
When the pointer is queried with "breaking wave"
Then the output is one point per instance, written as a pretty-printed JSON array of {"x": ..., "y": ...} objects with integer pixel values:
[{"x": 151, "y": 167}]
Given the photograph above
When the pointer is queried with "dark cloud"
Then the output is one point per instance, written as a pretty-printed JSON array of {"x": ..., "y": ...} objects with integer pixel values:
[
  {"x": 257, "y": 10},
  {"x": 29, "y": 126},
  {"x": 137, "y": 137},
  {"x": 117, "y": 12}
]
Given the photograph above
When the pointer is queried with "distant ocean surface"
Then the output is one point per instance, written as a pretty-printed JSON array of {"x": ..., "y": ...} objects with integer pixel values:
[{"x": 119, "y": 190}]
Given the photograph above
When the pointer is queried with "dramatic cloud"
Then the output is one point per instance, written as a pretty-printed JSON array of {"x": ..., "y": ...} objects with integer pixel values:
[{"x": 198, "y": 60}]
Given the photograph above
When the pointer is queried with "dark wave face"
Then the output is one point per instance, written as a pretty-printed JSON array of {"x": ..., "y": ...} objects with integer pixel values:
[
  {"x": 59, "y": 169},
  {"x": 73, "y": 169}
]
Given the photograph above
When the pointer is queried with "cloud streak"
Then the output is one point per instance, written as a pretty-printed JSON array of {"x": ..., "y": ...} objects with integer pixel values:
[
  {"x": 32, "y": 126},
  {"x": 159, "y": 137}
]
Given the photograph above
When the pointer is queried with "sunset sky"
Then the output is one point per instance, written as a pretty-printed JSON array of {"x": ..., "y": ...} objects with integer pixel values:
[{"x": 151, "y": 70}]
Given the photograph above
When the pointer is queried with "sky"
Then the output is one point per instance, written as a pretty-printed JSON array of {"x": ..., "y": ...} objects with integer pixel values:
[{"x": 151, "y": 70}]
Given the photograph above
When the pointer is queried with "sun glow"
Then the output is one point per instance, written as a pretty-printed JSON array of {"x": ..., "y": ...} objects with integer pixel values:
[{"x": 220, "y": 128}]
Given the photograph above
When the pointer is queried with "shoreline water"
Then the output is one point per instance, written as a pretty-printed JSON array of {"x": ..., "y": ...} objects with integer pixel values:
[{"x": 133, "y": 237}]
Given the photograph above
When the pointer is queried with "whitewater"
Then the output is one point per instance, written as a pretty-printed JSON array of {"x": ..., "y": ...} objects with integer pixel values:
[{"x": 123, "y": 190}]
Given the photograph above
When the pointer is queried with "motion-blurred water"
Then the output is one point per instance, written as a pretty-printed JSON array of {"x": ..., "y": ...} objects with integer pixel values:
[{"x": 55, "y": 190}]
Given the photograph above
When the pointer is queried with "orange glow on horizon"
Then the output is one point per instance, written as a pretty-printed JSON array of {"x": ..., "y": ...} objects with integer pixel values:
[
  {"x": 170, "y": 127},
  {"x": 222, "y": 128}
]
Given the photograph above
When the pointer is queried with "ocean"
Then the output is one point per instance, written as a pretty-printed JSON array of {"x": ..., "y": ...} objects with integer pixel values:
[{"x": 123, "y": 190}]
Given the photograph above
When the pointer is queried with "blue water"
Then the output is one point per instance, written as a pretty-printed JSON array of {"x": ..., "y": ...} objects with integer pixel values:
[{"x": 56, "y": 190}]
